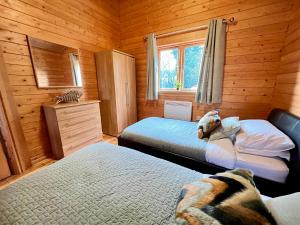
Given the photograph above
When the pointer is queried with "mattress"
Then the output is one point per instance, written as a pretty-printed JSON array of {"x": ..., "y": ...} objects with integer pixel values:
[
  {"x": 100, "y": 184},
  {"x": 175, "y": 136},
  {"x": 223, "y": 153},
  {"x": 266, "y": 167}
]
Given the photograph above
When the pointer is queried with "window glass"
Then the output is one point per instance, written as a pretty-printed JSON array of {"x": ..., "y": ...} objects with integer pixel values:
[
  {"x": 192, "y": 63},
  {"x": 168, "y": 68}
]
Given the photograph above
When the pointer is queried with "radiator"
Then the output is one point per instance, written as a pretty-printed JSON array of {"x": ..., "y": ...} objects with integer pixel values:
[{"x": 178, "y": 110}]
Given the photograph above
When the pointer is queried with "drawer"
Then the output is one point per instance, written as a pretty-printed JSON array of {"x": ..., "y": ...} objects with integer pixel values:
[
  {"x": 80, "y": 139},
  {"x": 77, "y": 111},
  {"x": 80, "y": 143},
  {"x": 78, "y": 122},
  {"x": 83, "y": 133}
]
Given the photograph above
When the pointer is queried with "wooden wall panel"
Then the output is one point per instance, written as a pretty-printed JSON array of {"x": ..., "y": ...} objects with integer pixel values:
[
  {"x": 287, "y": 91},
  {"x": 86, "y": 25},
  {"x": 252, "y": 54},
  {"x": 91, "y": 25}
]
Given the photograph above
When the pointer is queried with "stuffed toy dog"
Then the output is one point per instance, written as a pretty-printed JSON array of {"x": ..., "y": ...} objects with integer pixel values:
[{"x": 208, "y": 123}]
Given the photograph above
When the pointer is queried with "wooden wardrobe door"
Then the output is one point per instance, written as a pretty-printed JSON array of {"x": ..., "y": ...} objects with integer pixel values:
[
  {"x": 119, "y": 62},
  {"x": 131, "y": 91},
  {"x": 4, "y": 168},
  {"x": 106, "y": 86}
]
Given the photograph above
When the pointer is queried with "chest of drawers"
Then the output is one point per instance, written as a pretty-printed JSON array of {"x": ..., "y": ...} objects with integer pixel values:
[{"x": 72, "y": 126}]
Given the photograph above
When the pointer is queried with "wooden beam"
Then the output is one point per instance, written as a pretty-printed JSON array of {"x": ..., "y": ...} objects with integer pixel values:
[{"x": 17, "y": 149}]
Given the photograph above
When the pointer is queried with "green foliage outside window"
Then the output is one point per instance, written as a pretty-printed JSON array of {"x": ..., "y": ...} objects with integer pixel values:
[
  {"x": 170, "y": 68},
  {"x": 192, "y": 62}
]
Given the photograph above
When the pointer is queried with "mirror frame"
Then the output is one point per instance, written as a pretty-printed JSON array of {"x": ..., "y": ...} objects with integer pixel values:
[{"x": 34, "y": 68}]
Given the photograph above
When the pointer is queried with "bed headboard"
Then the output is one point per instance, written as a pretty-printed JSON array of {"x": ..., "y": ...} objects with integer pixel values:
[{"x": 290, "y": 125}]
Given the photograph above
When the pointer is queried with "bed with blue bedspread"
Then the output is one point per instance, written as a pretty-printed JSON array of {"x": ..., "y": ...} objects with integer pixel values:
[
  {"x": 177, "y": 141},
  {"x": 169, "y": 135}
]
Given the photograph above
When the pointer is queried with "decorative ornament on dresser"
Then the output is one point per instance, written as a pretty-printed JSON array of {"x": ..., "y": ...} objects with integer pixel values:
[{"x": 69, "y": 96}]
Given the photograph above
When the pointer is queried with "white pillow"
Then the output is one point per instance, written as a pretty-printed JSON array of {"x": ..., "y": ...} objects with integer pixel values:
[
  {"x": 260, "y": 137},
  {"x": 229, "y": 127},
  {"x": 285, "y": 209}
]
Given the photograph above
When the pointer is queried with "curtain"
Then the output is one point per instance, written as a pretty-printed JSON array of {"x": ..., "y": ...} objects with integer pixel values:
[
  {"x": 210, "y": 82},
  {"x": 152, "y": 68}
]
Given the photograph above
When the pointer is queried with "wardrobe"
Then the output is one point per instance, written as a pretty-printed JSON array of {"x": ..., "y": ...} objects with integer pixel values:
[{"x": 117, "y": 90}]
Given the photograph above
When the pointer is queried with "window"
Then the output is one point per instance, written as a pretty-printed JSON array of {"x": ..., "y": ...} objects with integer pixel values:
[{"x": 179, "y": 66}]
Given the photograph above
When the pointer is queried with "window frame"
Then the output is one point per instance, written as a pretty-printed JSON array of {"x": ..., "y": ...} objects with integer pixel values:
[{"x": 180, "y": 69}]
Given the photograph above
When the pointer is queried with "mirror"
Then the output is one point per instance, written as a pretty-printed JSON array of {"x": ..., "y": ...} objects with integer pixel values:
[{"x": 54, "y": 65}]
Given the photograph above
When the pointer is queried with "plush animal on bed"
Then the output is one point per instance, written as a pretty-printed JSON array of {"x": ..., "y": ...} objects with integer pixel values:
[
  {"x": 208, "y": 123},
  {"x": 226, "y": 198}
]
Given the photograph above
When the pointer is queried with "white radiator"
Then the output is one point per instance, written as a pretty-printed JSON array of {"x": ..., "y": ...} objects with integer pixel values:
[{"x": 178, "y": 110}]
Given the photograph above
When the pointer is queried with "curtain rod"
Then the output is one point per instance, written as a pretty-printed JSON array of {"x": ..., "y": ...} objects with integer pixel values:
[{"x": 230, "y": 21}]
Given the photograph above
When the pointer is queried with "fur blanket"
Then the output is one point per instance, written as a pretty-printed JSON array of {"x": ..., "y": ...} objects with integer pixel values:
[{"x": 226, "y": 198}]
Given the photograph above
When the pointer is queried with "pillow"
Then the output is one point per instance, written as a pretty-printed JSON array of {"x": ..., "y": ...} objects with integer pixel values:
[
  {"x": 226, "y": 198},
  {"x": 260, "y": 137},
  {"x": 285, "y": 209},
  {"x": 208, "y": 123},
  {"x": 229, "y": 127}
]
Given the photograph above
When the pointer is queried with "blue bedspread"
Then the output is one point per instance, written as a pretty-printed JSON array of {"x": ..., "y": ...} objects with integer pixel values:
[{"x": 170, "y": 135}]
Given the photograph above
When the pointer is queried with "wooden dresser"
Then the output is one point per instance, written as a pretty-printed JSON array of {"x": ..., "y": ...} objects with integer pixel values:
[{"x": 72, "y": 126}]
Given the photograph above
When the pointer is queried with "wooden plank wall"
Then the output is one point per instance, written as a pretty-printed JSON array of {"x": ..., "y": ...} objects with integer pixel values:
[
  {"x": 287, "y": 91},
  {"x": 252, "y": 61},
  {"x": 252, "y": 55},
  {"x": 86, "y": 24}
]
